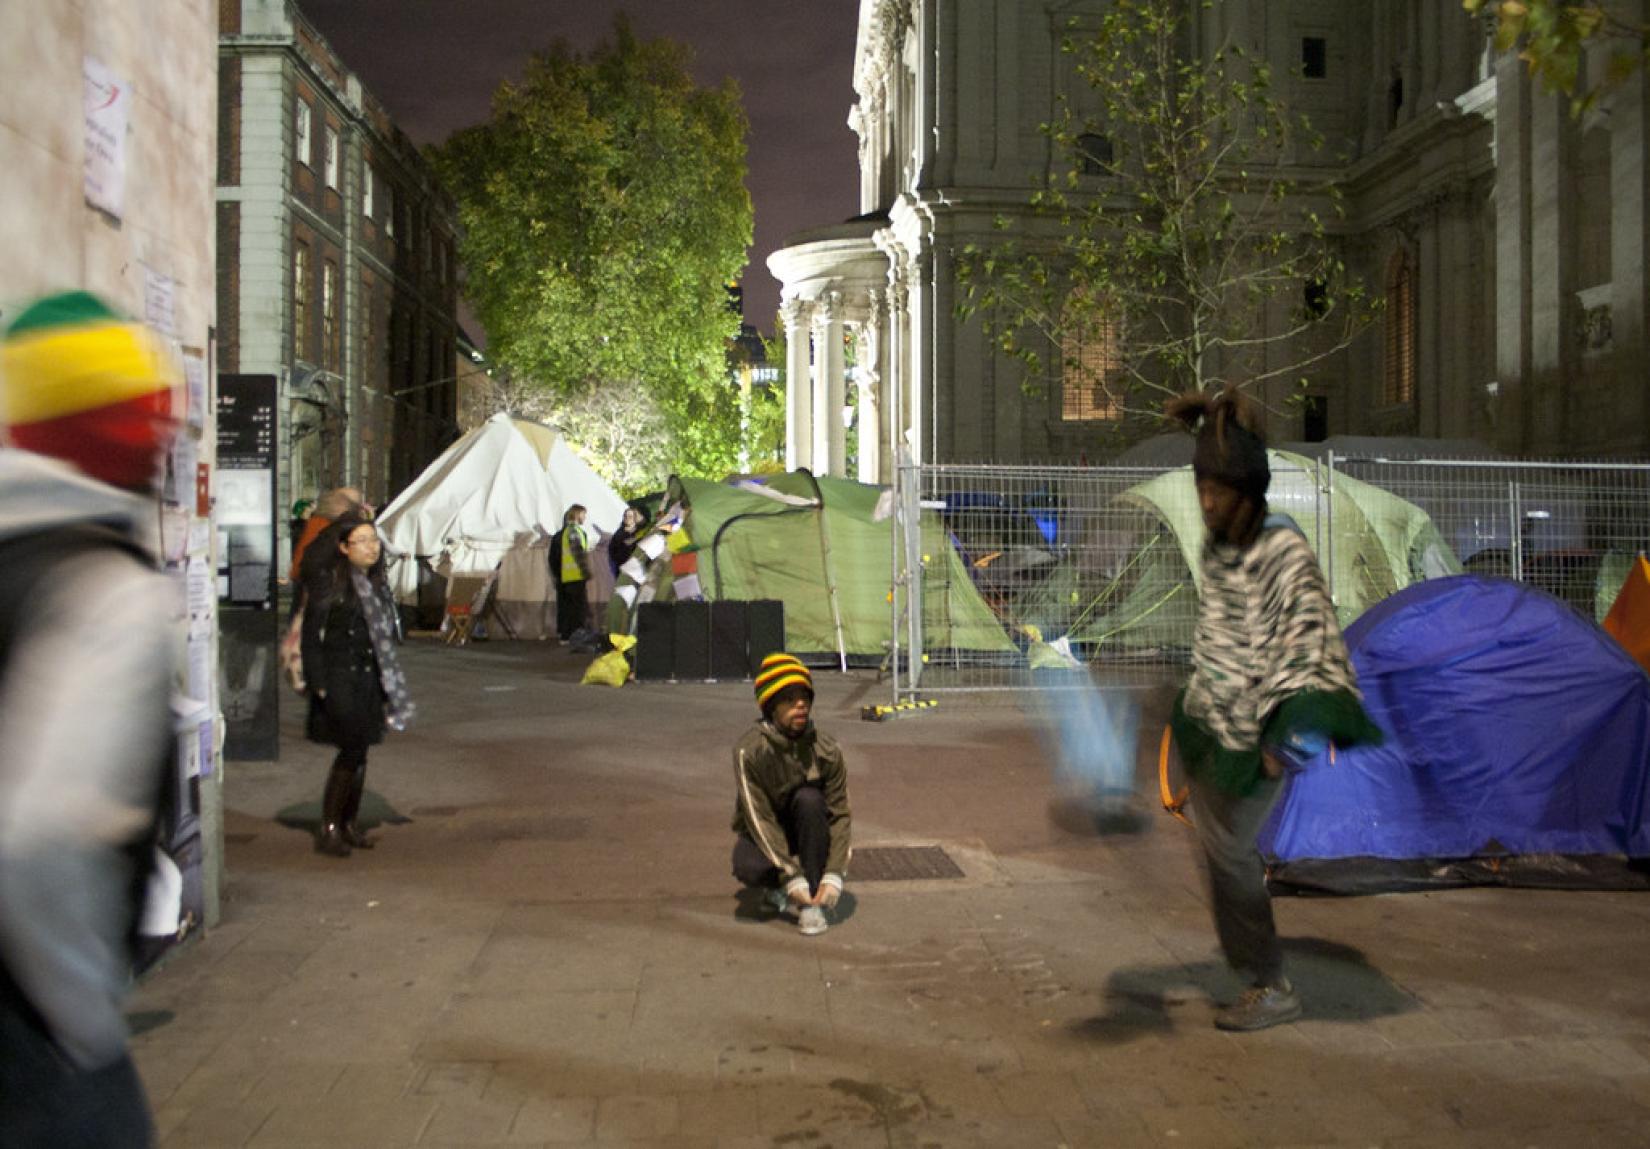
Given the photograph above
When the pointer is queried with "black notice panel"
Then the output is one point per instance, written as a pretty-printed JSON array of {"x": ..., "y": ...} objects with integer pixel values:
[
  {"x": 729, "y": 640},
  {"x": 765, "y": 622},
  {"x": 655, "y": 641},
  {"x": 692, "y": 640}
]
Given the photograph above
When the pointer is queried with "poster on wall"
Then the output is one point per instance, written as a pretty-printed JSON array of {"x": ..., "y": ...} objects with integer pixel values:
[{"x": 108, "y": 106}]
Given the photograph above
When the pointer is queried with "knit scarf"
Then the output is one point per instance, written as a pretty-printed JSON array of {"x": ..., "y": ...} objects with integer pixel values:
[{"x": 399, "y": 708}]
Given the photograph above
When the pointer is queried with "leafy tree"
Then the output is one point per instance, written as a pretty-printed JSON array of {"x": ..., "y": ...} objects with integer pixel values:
[
  {"x": 603, "y": 212},
  {"x": 1553, "y": 38},
  {"x": 1159, "y": 255},
  {"x": 619, "y": 431}
]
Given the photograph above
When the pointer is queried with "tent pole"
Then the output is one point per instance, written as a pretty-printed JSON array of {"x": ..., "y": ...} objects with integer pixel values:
[{"x": 830, "y": 578}]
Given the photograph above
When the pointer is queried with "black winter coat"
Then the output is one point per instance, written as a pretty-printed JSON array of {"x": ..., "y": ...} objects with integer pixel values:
[{"x": 339, "y": 660}]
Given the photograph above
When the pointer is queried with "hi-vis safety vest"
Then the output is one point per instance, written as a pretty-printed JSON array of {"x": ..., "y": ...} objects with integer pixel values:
[{"x": 570, "y": 569}]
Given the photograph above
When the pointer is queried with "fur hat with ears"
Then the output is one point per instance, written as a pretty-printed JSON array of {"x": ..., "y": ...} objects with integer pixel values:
[
  {"x": 82, "y": 384},
  {"x": 1230, "y": 447}
]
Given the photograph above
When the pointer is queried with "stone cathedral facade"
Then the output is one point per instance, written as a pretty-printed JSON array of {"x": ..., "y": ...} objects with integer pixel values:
[{"x": 1508, "y": 238}]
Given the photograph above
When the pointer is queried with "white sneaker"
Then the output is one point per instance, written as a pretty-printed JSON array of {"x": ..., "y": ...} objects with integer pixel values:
[
  {"x": 811, "y": 921},
  {"x": 777, "y": 900}
]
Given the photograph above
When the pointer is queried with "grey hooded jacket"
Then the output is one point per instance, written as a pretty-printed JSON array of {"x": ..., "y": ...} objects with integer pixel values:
[{"x": 84, "y": 710}]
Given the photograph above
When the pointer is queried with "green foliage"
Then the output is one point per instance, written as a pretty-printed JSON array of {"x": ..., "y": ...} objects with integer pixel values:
[
  {"x": 603, "y": 213},
  {"x": 1173, "y": 229},
  {"x": 1553, "y": 36},
  {"x": 765, "y": 430}
]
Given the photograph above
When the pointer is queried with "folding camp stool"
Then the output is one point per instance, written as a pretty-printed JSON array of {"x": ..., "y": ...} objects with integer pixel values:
[{"x": 467, "y": 597}]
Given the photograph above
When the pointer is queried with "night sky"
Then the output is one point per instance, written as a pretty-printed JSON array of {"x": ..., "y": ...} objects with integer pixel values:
[{"x": 435, "y": 64}]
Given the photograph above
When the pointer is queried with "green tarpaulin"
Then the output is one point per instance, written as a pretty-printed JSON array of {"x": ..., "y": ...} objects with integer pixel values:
[{"x": 824, "y": 547}]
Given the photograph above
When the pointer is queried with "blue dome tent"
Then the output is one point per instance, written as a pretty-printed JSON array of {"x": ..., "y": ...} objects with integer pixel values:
[{"x": 1517, "y": 753}]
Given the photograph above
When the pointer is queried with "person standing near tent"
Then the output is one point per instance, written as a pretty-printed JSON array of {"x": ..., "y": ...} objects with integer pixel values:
[
  {"x": 328, "y": 509},
  {"x": 570, "y": 570},
  {"x": 791, "y": 814},
  {"x": 356, "y": 686},
  {"x": 1270, "y": 679},
  {"x": 624, "y": 540}
]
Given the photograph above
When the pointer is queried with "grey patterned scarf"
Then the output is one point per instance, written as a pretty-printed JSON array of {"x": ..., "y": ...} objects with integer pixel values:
[{"x": 400, "y": 709}]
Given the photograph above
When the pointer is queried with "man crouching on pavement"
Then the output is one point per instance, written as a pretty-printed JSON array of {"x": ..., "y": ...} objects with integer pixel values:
[{"x": 791, "y": 816}]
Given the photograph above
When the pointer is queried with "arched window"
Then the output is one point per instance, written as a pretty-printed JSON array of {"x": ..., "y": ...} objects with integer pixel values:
[
  {"x": 1091, "y": 368},
  {"x": 1400, "y": 331}
]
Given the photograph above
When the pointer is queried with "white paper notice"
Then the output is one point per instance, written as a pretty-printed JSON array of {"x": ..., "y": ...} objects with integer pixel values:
[
  {"x": 652, "y": 546},
  {"x": 199, "y": 664},
  {"x": 626, "y": 595},
  {"x": 108, "y": 104},
  {"x": 160, "y": 302},
  {"x": 201, "y": 593},
  {"x": 687, "y": 587},
  {"x": 194, "y": 380},
  {"x": 633, "y": 570}
]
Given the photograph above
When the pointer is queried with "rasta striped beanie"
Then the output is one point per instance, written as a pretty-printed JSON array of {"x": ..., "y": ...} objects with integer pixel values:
[
  {"x": 779, "y": 671},
  {"x": 81, "y": 384}
]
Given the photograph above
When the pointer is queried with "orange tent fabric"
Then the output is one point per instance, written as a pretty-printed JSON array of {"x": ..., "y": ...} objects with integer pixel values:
[{"x": 1629, "y": 619}]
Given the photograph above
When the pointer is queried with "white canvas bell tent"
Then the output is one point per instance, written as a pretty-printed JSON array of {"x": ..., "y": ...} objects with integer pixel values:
[{"x": 505, "y": 479}]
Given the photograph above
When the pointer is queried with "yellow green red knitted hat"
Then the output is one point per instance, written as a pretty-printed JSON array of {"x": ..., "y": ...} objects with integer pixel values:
[
  {"x": 777, "y": 672},
  {"x": 81, "y": 384}
]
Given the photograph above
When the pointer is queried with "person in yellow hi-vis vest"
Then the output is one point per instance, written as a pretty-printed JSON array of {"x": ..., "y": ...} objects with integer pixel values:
[{"x": 570, "y": 571}]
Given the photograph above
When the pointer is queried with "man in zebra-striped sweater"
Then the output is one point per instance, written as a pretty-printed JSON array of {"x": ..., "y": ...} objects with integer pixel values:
[{"x": 1271, "y": 680}]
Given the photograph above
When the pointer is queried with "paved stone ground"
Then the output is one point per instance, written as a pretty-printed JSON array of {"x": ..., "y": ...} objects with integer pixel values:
[{"x": 550, "y": 953}]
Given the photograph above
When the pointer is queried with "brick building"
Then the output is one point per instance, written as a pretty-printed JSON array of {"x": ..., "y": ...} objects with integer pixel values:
[{"x": 335, "y": 260}]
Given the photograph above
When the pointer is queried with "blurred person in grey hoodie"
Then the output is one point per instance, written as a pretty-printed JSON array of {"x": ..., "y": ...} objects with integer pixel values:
[{"x": 86, "y": 657}]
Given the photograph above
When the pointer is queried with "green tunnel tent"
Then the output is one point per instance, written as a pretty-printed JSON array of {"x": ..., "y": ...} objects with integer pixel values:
[
  {"x": 1372, "y": 542},
  {"x": 823, "y": 547}
]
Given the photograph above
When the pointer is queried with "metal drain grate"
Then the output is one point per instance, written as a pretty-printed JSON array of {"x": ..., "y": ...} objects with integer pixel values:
[{"x": 903, "y": 864}]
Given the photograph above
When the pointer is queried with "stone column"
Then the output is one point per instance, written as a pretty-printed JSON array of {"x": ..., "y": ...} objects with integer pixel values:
[
  {"x": 907, "y": 295},
  {"x": 1512, "y": 252},
  {"x": 796, "y": 313},
  {"x": 830, "y": 388},
  {"x": 868, "y": 384},
  {"x": 893, "y": 354},
  {"x": 1551, "y": 350},
  {"x": 1630, "y": 253}
]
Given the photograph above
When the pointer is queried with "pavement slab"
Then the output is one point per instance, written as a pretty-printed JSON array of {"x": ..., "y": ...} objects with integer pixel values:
[{"x": 546, "y": 949}]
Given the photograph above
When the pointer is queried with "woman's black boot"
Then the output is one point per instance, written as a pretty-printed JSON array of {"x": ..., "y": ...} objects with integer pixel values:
[
  {"x": 353, "y": 833},
  {"x": 329, "y": 836}
]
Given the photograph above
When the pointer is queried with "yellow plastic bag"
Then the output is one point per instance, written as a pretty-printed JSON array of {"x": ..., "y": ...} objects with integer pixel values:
[{"x": 612, "y": 668}]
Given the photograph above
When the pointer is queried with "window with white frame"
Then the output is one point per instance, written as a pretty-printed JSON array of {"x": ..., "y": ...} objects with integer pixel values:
[
  {"x": 329, "y": 316},
  {"x": 389, "y": 210},
  {"x": 300, "y": 301},
  {"x": 367, "y": 179},
  {"x": 300, "y": 135},
  {"x": 330, "y": 158}
]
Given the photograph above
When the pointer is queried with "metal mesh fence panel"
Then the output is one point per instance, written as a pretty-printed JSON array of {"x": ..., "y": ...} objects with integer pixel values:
[
  {"x": 1094, "y": 567},
  {"x": 1571, "y": 529}
]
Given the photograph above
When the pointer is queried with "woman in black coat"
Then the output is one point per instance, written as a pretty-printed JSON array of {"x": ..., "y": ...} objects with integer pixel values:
[
  {"x": 356, "y": 687},
  {"x": 624, "y": 540}
]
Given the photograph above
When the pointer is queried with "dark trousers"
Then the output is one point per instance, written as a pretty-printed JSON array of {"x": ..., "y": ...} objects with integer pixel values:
[
  {"x": 807, "y": 836},
  {"x": 1229, "y": 826},
  {"x": 572, "y": 607},
  {"x": 46, "y": 1101}
]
